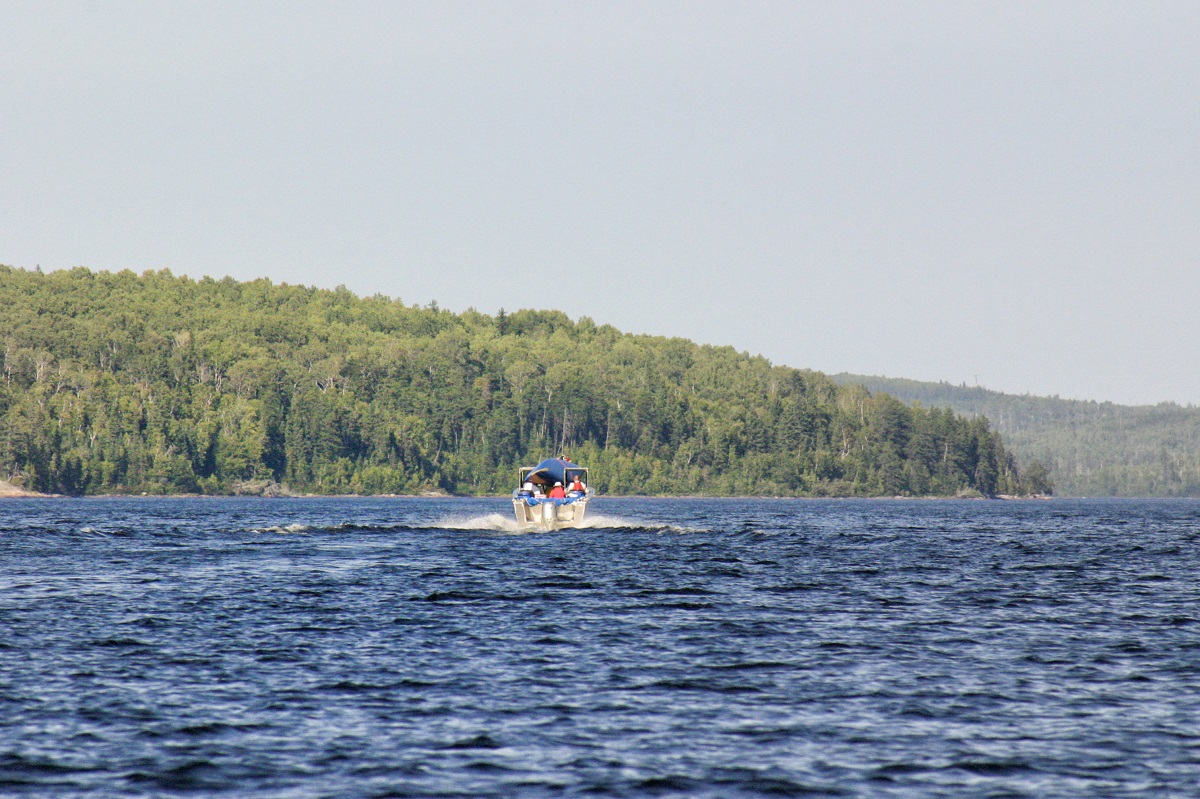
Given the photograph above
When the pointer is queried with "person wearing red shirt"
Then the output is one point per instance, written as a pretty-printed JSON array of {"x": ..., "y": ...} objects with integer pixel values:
[{"x": 558, "y": 492}]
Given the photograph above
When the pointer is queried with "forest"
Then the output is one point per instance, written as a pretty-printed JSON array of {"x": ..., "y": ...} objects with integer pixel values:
[
  {"x": 162, "y": 384},
  {"x": 1090, "y": 449}
]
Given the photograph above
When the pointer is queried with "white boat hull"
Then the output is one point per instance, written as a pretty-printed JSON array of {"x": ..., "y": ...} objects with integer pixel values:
[{"x": 549, "y": 514}]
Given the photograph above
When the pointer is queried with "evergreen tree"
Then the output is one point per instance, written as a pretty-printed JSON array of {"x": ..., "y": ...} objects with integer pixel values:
[{"x": 164, "y": 384}]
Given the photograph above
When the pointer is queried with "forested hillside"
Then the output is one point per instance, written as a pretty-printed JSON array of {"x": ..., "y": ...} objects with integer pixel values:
[
  {"x": 163, "y": 384},
  {"x": 1091, "y": 448}
]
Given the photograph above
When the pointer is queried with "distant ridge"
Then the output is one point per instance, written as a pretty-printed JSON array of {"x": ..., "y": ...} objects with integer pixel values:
[
  {"x": 1091, "y": 448},
  {"x": 157, "y": 384}
]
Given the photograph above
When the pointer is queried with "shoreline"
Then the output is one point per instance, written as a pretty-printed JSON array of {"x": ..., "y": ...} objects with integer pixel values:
[{"x": 9, "y": 491}]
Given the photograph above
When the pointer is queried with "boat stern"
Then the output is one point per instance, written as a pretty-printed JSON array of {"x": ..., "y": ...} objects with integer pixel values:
[{"x": 549, "y": 514}]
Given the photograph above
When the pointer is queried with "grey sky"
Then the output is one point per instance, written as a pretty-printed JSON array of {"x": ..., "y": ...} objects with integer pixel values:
[{"x": 1007, "y": 192}]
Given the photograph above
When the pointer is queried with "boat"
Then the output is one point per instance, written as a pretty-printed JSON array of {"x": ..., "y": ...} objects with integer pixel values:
[{"x": 549, "y": 513}]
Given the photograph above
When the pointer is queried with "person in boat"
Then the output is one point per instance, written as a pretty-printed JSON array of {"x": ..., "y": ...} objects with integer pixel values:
[
  {"x": 526, "y": 490},
  {"x": 577, "y": 488},
  {"x": 558, "y": 492}
]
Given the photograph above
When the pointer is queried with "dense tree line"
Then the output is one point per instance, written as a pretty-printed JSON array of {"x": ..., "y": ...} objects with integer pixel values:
[
  {"x": 164, "y": 384},
  {"x": 1092, "y": 449}
]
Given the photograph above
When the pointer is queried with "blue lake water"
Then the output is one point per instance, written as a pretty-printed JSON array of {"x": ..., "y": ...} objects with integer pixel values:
[{"x": 403, "y": 647}]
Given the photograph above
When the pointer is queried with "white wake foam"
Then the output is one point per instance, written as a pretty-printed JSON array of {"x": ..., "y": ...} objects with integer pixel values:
[
  {"x": 490, "y": 521},
  {"x": 506, "y": 524},
  {"x": 291, "y": 528},
  {"x": 499, "y": 523},
  {"x": 598, "y": 520}
]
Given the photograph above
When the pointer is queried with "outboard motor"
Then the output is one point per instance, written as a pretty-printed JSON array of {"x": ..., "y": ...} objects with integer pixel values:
[{"x": 550, "y": 514}]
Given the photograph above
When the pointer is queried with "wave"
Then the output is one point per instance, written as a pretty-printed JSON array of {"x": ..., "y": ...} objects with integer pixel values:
[
  {"x": 488, "y": 522},
  {"x": 290, "y": 528},
  {"x": 497, "y": 522},
  {"x": 344, "y": 527}
]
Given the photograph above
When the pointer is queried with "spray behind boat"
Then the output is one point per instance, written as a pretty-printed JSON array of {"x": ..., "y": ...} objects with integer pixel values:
[{"x": 533, "y": 505}]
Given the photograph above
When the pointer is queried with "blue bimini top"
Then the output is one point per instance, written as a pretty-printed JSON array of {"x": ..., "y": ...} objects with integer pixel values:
[{"x": 551, "y": 471}]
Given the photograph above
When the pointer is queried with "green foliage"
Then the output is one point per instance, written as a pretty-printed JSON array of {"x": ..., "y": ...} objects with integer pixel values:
[
  {"x": 163, "y": 384},
  {"x": 1074, "y": 447}
]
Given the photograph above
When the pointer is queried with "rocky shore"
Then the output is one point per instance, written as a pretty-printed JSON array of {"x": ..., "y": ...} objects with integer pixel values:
[{"x": 7, "y": 489}]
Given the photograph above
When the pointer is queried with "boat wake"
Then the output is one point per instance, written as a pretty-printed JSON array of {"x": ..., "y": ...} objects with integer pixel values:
[
  {"x": 489, "y": 522},
  {"x": 283, "y": 529},
  {"x": 496, "y": 522}
]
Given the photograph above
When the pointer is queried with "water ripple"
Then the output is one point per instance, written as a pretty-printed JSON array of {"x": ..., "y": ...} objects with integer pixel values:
[{"x": 712, "y": 648}]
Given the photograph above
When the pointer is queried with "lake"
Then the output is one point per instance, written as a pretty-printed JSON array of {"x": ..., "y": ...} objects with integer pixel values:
[{"x": 677, "y": 647}]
